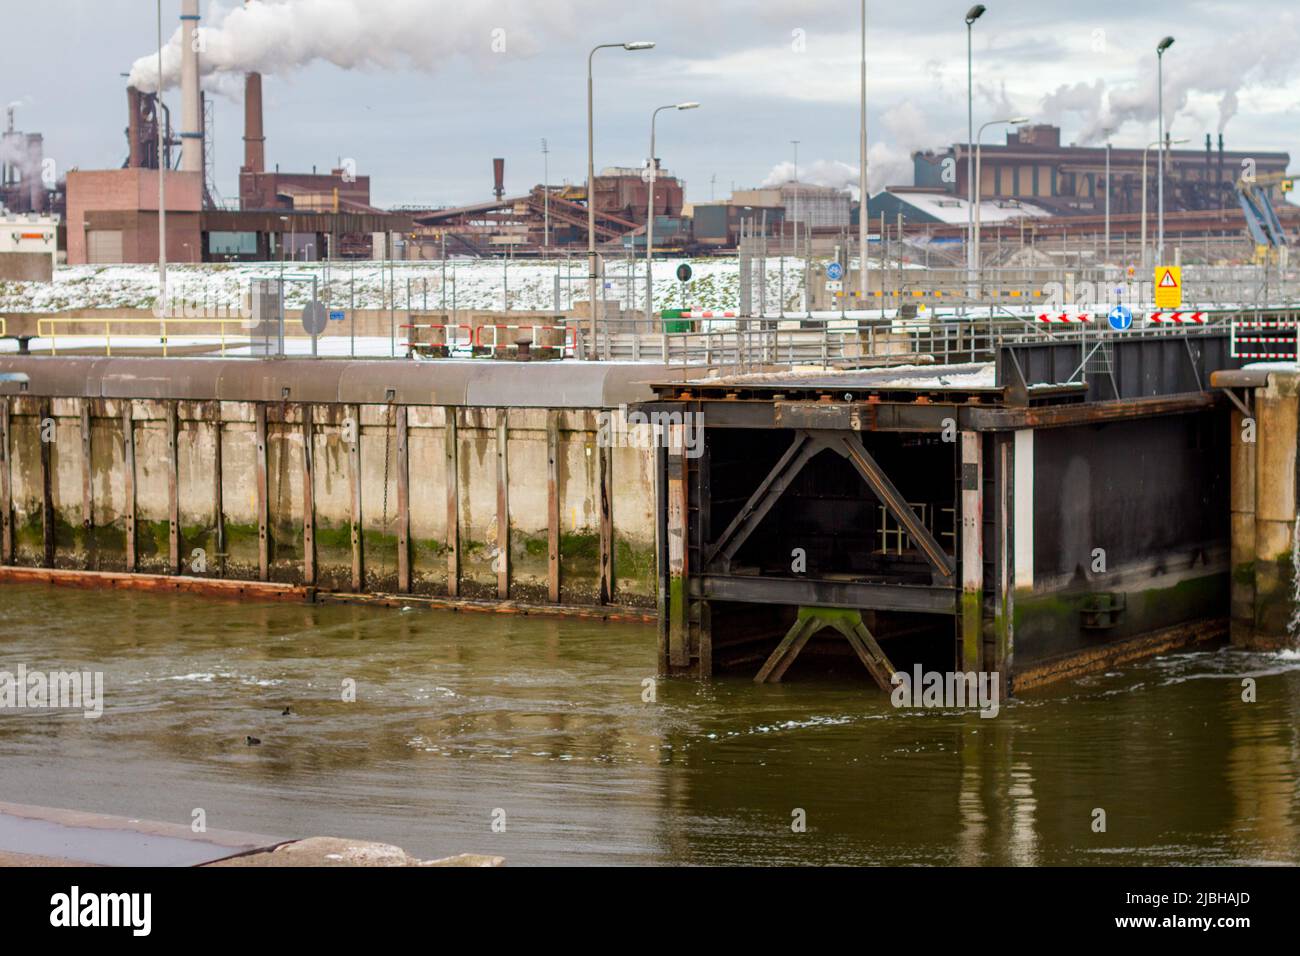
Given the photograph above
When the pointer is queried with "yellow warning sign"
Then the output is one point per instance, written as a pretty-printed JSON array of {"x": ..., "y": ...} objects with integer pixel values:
[{"x": 1169, "y": 287}]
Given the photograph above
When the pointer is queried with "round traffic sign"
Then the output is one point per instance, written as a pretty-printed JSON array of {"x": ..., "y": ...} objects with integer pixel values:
[
  {"x": 684, "y": 272},
  {"x": 1120, "y": 318},
  {"x": 314, "y": 318},
  {"x": 835, "y": 272}
]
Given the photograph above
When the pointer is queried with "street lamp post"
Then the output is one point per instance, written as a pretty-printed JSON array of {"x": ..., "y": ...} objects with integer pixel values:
[
  {"x": 1145, "y": 262},
  {"x": 162, "y": 180},
  {"x": 650, "y": 210},
  {"x": 1164, "y": 44},
  {"x": 1107, "y": 180},
  {"x": 1014, "y": 121},
  {"x": 863, "y": 213},
  {"x": 973, "y": 14},
  {"x": 591, "y": 183}
]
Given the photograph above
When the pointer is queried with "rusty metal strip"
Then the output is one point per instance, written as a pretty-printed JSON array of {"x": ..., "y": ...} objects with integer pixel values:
[
  {"x": 451, "y": 476},
  {"x": 173, "y": 490},
  {"x": 128, "y": 466},
  {"x": 87, "y": 487},
  {"x": 263, "y": 496},
  {"x": 308, "y": 495},
  {"x": 47, "y": 481},
  {"x": 972, "y": 549},
  {"x": 354, "y": 487},
  {"x": 503, "y": 505},
  {"x": 677, "y": 518},
  {"x": 218, "y": 496},
  {"x": 553, "y": 506},
  {"x": 403, "y": 503},
  {"x": 163, "y": 583},
  {"x": 606, "y": 495},
  {"x": 896, "y": 504},
  {"x": 6, "y": 487}
]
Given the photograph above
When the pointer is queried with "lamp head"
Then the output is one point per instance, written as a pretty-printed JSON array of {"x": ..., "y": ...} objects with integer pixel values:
[
  {"x": 1163, "y": 45},
  {"x": 688, "y": 106},
  {"x": 639, "y": 45},
  {"x": 974, "y": 13}
]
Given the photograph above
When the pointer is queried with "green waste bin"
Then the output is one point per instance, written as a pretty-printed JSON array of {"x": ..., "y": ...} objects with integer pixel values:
[{"x": 673, "y": 321}]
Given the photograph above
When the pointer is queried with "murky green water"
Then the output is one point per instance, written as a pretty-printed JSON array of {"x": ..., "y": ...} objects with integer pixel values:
[{"x": 459, "y": 715}]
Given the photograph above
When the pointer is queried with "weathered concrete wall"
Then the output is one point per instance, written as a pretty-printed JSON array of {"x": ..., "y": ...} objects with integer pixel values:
[{"x": 240, "y": 508}]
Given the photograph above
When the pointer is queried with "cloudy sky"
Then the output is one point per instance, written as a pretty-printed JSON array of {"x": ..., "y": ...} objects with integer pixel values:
[{"x": 423, "y": 93}]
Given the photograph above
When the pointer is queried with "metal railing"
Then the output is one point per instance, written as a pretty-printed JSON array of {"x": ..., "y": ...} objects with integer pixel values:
[{"x": 47, "y": 328}]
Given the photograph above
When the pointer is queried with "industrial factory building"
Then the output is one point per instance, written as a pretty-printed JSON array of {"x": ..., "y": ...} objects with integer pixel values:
[
  {"x": 112, "y": 214},
  {"x": 1032, "y": 165}
]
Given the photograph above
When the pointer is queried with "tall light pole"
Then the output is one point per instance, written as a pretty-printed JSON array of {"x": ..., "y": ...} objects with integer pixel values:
[
  {"x": 546, "y": 195},
  {"x": 973, "y": 14},
  {"x": 1145, "y": 264},
  {"x": 650, "y": 210},
  {"x": 591, "y": 184},
  {"x": 795, "y": 180},
  {"x": 162, "y": 179},
  {"x": 979, "y": 149},
  {"x": 1107, "y": 181},
  {"x": 1164, "y": 44},
  {"x": 863, "y": 194}
]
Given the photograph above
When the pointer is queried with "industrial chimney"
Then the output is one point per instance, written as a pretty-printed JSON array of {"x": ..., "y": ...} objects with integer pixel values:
[
  {"x": 254, "y": 140},
  {"x": 499, "y": 178},
  {"x": 191, "y": 104}
]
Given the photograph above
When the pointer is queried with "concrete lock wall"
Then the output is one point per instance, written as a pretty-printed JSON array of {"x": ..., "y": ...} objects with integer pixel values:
[{"x": 487, "y": 489}]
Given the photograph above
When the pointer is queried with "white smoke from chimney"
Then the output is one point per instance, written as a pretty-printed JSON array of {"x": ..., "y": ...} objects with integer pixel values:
[
  {"x": 279, "y": 36},
  {"x": 903, "y": 131},
  {"x": 1255, "y": 57}
]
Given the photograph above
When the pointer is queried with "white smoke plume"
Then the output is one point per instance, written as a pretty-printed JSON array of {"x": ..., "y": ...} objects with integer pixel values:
[
  {"x": 279, "y": 36},
  {"x": 889, "y": 155},
  {"x": 1261, "y": 56}
]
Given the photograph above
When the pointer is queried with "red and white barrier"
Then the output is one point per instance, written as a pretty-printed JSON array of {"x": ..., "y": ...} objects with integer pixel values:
[
  {"x": 1176, "y": 318},
  {"x": 1065, "y": 317},
  {"x": 569, "y": 336},
  {"x": 693, "y": 314}
]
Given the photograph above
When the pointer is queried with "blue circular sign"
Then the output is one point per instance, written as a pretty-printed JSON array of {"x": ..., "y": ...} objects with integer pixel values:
[
  {"x": 835, "y": 272},
  {"x": 1121, "y": 318}
]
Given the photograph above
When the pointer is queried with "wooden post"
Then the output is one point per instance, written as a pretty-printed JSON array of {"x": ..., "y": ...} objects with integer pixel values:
[
  {"x": 87, "y": 487},
  {"x": 6, "y": 488},
  {"x": 606, "y": 524},
  {"x": 47, "y": 482},
  {"x": 503, "y": 505},
  {"x": 218, "y": 495},
  {"x": 173, "y": 491},
  {"x": 354, "y": 485},
  {"x": 553, "y": 506},
  {"x": 263, "y": 497},
  {"x": 972, "y": 550},
  {"x": 308, "y": 497},
  {"x": 452, "y": 476},
  {"x": 403, "y": 504},
  {"x": 128, "y": 465}
]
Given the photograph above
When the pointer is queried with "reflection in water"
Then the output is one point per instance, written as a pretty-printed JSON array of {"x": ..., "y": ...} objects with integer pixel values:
[{"x": 457, "y": 715}]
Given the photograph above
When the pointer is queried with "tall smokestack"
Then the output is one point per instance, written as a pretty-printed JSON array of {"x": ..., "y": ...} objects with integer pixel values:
[
  {"x": 191, "y": 106},
  {"x": 499, "y": 177},
  {"x": 254, "y": 140}
]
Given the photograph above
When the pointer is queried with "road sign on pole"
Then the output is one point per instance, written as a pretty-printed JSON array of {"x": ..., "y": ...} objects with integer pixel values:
[
  {"x": 1169, "y": 287},
  {"x": 1120, "y": 318},
  {"x": 834, "y": 272}
]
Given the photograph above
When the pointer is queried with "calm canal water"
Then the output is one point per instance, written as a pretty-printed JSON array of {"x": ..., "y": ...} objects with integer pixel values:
[{"x": 459, "y": 715}]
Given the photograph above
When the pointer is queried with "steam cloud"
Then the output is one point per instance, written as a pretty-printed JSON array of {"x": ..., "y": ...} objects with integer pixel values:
[
  {"x": 1263, "y": 56},
  {"x": 889, "y": 159},
  {"x": 278, "y": 36}
]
